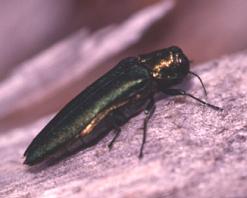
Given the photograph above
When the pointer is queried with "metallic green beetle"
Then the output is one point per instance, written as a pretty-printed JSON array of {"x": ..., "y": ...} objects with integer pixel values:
[{"x": 112, "y": 100}]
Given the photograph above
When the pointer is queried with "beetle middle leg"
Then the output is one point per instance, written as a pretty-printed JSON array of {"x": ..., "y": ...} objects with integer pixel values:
[
  {"x": 175, "y": 92},
  {"x": 149, "y": 111},
  {"x": 117, "y": 119},
  {"x": 117, "y": 131}
]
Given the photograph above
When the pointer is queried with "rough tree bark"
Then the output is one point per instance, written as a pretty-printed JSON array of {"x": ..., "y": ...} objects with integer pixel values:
[{"x": 191, "y": 150}]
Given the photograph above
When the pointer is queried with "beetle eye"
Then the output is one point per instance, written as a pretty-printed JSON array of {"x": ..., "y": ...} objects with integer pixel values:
[{"x": 173, "y": 76}]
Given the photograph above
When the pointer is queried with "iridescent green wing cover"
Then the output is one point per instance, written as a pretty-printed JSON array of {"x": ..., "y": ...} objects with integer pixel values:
[{"x": 124, "y": 81}]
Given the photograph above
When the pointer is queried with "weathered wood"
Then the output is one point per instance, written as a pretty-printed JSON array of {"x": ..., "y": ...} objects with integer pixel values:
[{"x": 191, "y": 150}]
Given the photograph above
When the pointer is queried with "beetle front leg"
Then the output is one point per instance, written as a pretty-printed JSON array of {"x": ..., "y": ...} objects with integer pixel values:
[
  {"x": 175, "y": 92},
  {"x": 149, "y": 111}
]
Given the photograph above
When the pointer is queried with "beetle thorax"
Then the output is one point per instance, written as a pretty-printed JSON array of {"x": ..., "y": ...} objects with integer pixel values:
[{"x": 163, "y": 63}]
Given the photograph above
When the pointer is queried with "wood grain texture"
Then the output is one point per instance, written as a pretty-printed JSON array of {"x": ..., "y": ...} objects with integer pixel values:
[{"x": 191, "y": 150}]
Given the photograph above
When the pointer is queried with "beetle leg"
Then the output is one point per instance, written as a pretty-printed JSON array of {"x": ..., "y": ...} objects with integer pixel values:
[
  {"x": 117, "y": 132},
  {"x": 149, "y": 111},
  {"x": 175, "y": 92},
  {"x": 117, "y": 119}
]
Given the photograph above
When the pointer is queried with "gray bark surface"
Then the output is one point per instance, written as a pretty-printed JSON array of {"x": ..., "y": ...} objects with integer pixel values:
[{"x": 191, "y": 150}]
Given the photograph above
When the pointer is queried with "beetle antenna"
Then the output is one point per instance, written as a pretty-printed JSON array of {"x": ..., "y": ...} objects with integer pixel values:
[{"x": 205, "y": 91}]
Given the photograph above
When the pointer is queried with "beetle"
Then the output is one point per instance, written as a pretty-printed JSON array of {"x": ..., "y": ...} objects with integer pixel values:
[{"x": 124, "y": 91}]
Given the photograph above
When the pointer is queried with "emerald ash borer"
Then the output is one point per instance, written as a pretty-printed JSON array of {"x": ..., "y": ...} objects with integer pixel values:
[{"x": 112, "y": 100}]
